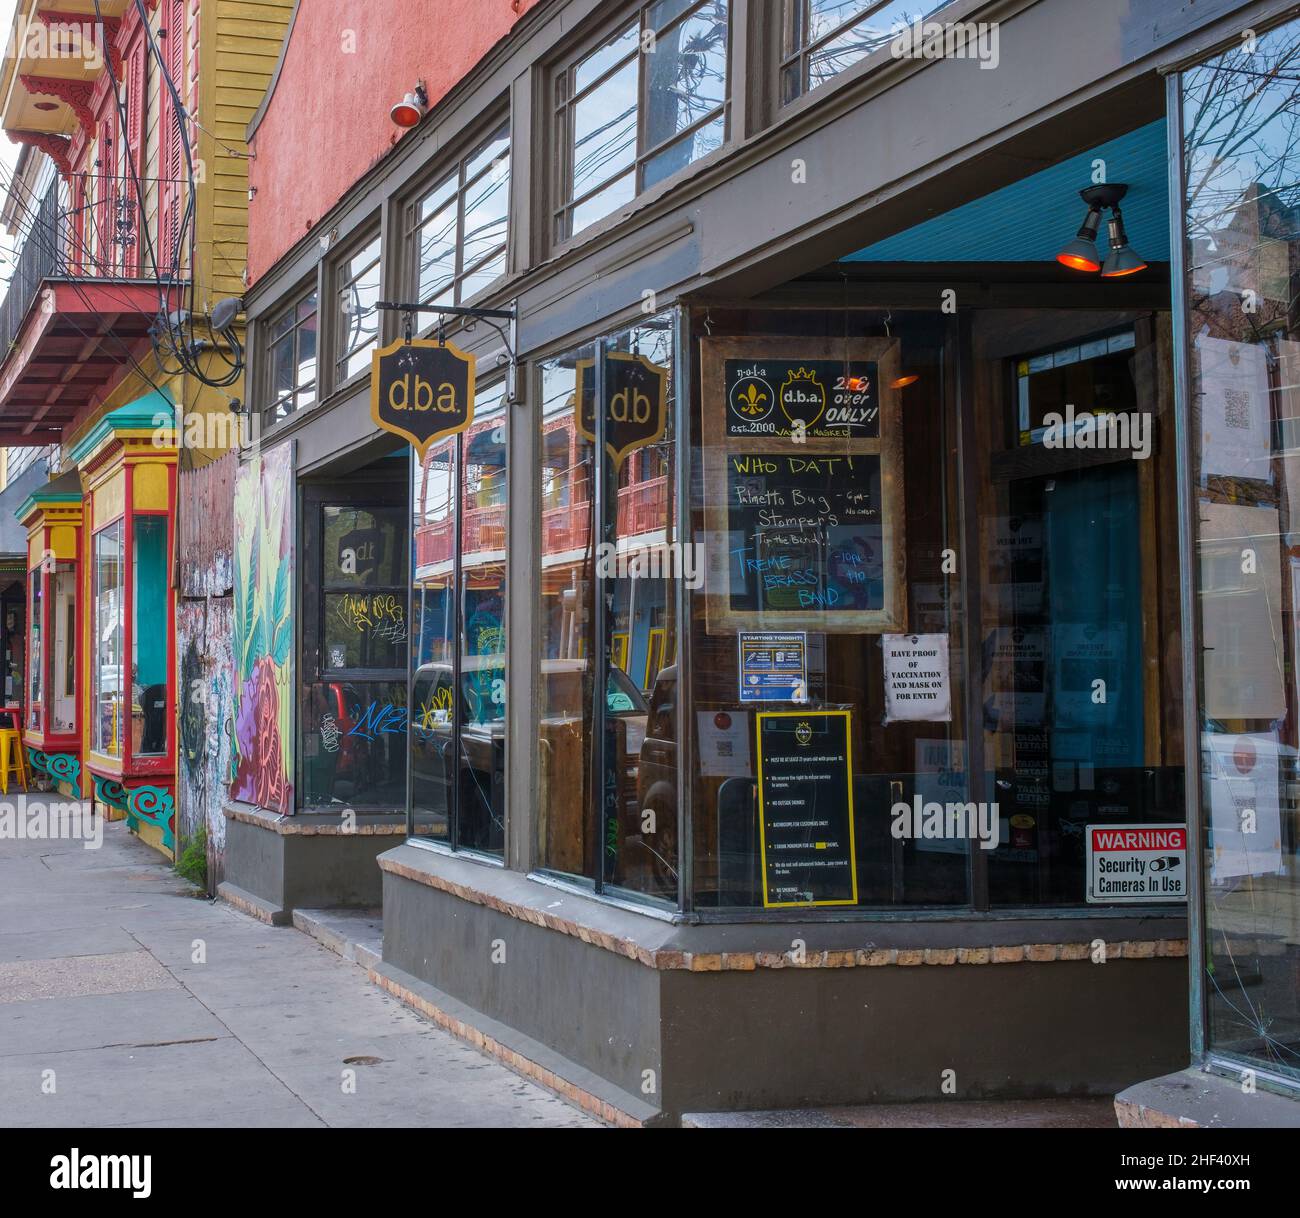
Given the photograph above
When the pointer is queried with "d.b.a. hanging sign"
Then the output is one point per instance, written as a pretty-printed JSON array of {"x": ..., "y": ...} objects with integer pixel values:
[
  {"x": 422, "y": 391},
  {"x": 636, "y": 403}
]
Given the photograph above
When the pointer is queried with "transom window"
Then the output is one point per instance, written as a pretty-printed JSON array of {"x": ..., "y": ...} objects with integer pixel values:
[
  {"x": 457, "y": 230},
  {"x": 638, "y": 108},
  {"x": 358, "y": 319},
  {"x": 826, "y": 37},
  {"x": 291, "y": 358}
]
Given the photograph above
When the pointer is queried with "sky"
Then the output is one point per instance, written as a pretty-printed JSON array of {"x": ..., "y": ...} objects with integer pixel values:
[{"x": 8, "y": 150}]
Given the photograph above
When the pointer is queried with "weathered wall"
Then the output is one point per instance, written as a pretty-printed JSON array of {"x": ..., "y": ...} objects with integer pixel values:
[
  {"x": 203, "y": 638},
  {"x": 204, "y": 654},
  {"x": 346, "y": 65}
]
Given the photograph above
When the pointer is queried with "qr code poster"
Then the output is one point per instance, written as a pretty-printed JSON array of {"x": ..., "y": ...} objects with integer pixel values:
[{"x": 1232, "y": 395}]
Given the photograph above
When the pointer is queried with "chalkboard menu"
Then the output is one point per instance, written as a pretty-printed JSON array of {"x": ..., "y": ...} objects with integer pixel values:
[
  {"x": 816, "y": 399},
  {"x": 803, "y": 486},
  {"x": 807, "y": 532},
  {"x": 805, "y": 808}
]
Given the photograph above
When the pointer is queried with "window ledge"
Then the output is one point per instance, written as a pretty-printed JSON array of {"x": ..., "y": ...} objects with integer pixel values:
[
  {"x": 317, "y": 824},
  {"x": 746, "y": 947}
]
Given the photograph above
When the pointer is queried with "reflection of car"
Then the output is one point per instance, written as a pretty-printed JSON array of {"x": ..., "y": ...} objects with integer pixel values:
[
  {"x": 656, "y": 787},
  {"x": 481, "y": 768}
]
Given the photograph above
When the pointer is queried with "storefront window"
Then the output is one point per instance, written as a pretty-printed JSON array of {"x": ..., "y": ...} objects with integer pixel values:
[
  {"x": 825, "y": 37},
  {"x": 61, "y": 680},
  {"x": 1081, "y": 697},
  {"x": 647, "y": 103},
  {"x": 14, "y": 612},
  {"x": 826, "y": 666},
  {"x": 1242, "y": 189},
  {"x": 149, "y": 636},
  {"x": 354, "y": 719},
  {"x": 614, "y": 549},
  {"x": 108, "y": 687},
  {"x": 35, "y": 668},
  {"x": 358, "y": 319},
  {"x": 457, "y": 230},
  {"x": 459, "y": 498}
]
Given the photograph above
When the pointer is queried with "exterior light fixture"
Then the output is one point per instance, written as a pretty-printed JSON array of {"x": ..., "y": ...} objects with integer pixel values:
[
  {"x": 908, "y": 378},
  {"x": 1082, "y": 254},
  {"x": 1121, "y": 260},
  {"x": 412, "y": 108}
]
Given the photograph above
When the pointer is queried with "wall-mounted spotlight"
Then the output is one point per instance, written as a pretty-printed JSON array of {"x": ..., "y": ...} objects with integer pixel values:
[
  {"x": 412, "y": 108},
  {"x": 1082, "y": 253}
]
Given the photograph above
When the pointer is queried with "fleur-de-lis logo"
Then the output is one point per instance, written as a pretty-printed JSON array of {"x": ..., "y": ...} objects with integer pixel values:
[{"x": 751, "y": 400}]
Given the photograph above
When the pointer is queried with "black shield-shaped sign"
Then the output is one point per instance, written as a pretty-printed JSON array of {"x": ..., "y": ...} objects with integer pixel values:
[
  {"x": 422, "y": 391},
  {"x": 636, "y": 403}
]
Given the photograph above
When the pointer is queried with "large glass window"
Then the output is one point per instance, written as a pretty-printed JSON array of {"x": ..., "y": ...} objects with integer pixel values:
[
  {"x": 826, "y": 37},
  {"x": 824, "y": 511},
  {"x": 607, "y": 805},
  {"x": 13, "y": 643},
  {"x": 291, "y": 358},
  {"x": 354, "y": 710},
  {"x": 646, "y": 103},
  {"x": 62, "y": 676},
  {"x": 1081, "y": 697},
  {"x": 107, "y": 647},
  {"x": 358, "y": 318},
  {"x": 149, "y": 636},
  {"x": 35, "y": 684},
  {"x": 457, "y": 230},
  {"x": 459, "y": 499},
  {"x": 1242, "y": 195}
]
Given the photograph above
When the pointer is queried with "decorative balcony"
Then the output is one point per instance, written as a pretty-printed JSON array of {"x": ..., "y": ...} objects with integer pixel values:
[{"x": 80, "y": 304}]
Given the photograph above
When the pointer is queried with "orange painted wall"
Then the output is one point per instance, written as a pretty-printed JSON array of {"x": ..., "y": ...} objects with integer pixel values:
[{"x": 327, "y": 122}]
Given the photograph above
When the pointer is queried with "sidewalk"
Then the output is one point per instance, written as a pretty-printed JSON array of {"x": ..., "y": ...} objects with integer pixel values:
[{"x": 102, "y": 1002}]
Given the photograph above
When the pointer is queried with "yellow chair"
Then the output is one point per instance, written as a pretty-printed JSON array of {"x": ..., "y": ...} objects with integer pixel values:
[{"x": 13, "y": 762}]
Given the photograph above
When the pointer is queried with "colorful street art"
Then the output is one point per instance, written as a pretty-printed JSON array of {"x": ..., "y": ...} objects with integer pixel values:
[{"x": 262, "y": 754}]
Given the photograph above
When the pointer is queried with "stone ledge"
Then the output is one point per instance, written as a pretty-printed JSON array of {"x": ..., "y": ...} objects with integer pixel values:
[
  {"x": 670, "y": 959},
  {"x": 369, "y": 824},
  {"x": 528, "y": 1059},
  {"x": 1198, "y": 1099},
  {"x": 254, "y": 906}
]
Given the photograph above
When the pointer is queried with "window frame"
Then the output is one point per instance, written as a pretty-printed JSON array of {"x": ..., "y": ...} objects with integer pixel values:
[
  {"x": 337, "y": 283},
  {"x": 411, "y": 226},
  {"x": 562, "y": 98},
  {"x": 793, "y": 11},
  {"x": 271, "y": 409},
  {"x": 485, "y": 388}
]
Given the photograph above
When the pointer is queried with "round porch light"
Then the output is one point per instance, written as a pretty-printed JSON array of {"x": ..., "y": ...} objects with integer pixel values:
[{"x": 412, "y": 108}]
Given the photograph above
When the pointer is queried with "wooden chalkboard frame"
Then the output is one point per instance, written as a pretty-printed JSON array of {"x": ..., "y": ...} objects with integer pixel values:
[{"x": 720, "y": 617}]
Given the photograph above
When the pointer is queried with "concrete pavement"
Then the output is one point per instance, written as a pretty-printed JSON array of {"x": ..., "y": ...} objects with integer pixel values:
[{"x": 127, "y": 1001}]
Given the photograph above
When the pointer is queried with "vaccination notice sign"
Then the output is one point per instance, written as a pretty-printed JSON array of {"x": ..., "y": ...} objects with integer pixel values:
[{"x": 1136, "y": 864}]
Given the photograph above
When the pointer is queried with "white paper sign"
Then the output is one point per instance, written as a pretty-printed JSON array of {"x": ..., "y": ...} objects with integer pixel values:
[
  {"x": 1241, "y": 772},
  {"x": 724, "y": 744},
  {"x": 917, "y": 687},
  {"x": 1234, "y": 408}
]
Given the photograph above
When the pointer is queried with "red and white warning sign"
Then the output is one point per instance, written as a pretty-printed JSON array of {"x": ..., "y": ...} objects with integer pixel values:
[{"x": 1136, "y": 864}]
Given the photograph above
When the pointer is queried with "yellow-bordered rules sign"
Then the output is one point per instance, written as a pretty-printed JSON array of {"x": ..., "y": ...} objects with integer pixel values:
[
  {"x": 422, "y": 391},
  {"x": 805, "y": 808}
]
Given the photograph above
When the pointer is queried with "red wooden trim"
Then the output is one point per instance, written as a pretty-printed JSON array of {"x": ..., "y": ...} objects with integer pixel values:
[
  {"x": 75, "y": 93},
  {"x": 56, "y": 147}
]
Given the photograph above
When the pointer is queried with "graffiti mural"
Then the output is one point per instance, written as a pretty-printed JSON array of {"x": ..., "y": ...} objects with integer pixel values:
[
  {"x": 203, "y": 636},
  {"x": 262, "y": 759}
]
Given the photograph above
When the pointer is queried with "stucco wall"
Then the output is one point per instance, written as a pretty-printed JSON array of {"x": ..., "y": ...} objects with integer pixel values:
[{"x": 345, "y": 67}]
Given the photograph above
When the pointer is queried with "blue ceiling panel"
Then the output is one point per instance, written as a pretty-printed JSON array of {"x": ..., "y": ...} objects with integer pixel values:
[{"x": 1030, "y": 220}]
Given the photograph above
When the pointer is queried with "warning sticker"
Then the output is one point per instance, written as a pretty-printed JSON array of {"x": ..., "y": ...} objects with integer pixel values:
[{"x": 1136, "y": 864}]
